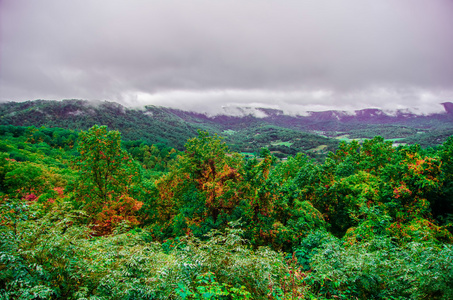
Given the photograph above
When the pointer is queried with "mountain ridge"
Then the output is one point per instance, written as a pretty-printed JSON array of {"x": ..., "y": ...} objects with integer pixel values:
[{"x": 272, "y": 128}]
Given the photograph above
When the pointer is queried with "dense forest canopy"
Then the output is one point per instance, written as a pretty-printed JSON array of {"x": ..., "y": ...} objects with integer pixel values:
[{"x": 86, "y": 215}]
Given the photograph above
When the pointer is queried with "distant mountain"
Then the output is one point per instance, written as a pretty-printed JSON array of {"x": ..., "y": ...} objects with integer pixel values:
[
  {"x": 246, "y": 132},
  {"x": 156, "y": 125}
]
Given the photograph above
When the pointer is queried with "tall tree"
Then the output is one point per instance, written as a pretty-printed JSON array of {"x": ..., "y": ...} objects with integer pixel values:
[
  {"x": 204, "y": 183},
  {"x": 108, "y": 180}
]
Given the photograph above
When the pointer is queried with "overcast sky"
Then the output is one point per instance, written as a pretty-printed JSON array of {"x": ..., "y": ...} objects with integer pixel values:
[{"x": 204, "y": 55}]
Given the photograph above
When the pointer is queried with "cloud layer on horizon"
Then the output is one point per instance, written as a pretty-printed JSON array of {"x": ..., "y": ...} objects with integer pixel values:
[{"x": 202, "y": 55}]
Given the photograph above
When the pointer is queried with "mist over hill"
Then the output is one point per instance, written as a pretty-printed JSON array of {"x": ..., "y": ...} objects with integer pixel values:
[{"x": 244, "y": 129}]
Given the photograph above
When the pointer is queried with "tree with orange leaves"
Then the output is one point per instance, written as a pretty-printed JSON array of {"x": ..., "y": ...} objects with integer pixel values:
[
  {"x": 108, "y": 179},
  {"x": 202, "y": 186}
]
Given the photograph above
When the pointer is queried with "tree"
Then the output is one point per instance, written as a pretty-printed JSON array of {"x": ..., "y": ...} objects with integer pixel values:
[
  {"x": 443, "y": 204},
  {"x": 26, "y": 178},
  {"x": 107, "y": 177},
  {"x": 202, "y": 186}
]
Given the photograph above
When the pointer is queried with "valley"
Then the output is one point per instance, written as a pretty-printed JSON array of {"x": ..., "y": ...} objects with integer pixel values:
[{"x": 315, "y": 133}]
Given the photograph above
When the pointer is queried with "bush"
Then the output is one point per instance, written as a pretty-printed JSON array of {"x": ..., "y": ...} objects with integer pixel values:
[
  {"x": 380, "y": 270},
  {"x": 50, "y": 257}
]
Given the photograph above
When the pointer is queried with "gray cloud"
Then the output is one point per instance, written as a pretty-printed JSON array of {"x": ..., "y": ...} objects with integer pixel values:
[{"x": 202, "y": 54}]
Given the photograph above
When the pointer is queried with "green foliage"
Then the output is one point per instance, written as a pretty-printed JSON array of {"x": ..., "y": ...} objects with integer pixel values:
[
  {"x": 108, "y": 180},
  {"x": 202, "y": 188},
  {"x": 381, "y": 270},
  {"x": 49, "y": 257},
  {"x": 225, "y": 254},
  {"x": 281, "y": 141},
  {"x": 26, "y": 178},
  {"x": 442, "y": 205},
  {"x": 133, "y": 220},
  {"x": 207, "y": 287},
  {"x": 152, "y": 157}
]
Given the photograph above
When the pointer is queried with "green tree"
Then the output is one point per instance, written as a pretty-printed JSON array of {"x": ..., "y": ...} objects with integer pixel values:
[
  {"x": 26, "y": 178},
  {"x": 202, "y": 187},
  {"x": 108, "y": 184},
  {"x": 442, "y": 205}
]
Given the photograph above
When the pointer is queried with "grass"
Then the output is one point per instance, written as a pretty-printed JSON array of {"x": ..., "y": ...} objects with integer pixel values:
[
  {"x": 344, "y": 137},
  {"x": 319, "y": 148},
  {"x": 229, "y": 132},
  {"x": 287, "y": 144}
]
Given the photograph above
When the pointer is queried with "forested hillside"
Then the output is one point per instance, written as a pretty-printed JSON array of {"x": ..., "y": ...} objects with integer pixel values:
[
  {"x": 152, "y": 126},
  {"x": 314, "y": 134},
  {"x": 87, "y": 215}
]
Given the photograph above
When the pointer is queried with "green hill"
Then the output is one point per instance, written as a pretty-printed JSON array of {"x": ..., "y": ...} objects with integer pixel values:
[{"x": 159, "y": 125}]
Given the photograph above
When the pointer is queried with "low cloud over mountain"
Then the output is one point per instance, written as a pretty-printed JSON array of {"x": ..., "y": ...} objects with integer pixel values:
[{"x": 204, "y": 55}]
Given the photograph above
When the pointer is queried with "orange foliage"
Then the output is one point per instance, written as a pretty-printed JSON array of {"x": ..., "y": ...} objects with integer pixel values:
[{"x": 114, "y": 213}]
